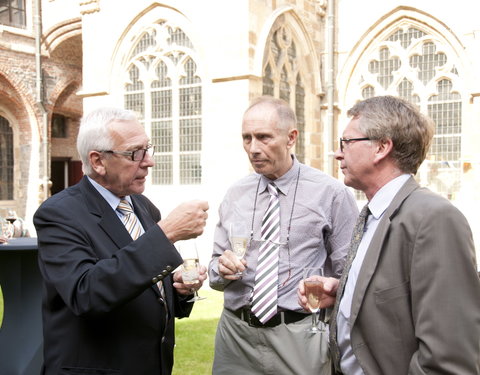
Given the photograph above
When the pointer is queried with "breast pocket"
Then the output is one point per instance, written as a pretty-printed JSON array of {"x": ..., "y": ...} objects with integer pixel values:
[{"x": 400, "y": 291}]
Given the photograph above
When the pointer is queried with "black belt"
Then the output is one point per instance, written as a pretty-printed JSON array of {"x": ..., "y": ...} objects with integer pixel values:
[{"x": 288, "y": 317}]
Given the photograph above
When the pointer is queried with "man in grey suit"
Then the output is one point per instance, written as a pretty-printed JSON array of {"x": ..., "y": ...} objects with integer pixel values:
[{"x": 408, "y": 302}]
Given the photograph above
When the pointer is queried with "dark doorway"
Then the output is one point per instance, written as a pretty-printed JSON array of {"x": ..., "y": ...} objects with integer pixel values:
[{"x": 64, "y": 173}]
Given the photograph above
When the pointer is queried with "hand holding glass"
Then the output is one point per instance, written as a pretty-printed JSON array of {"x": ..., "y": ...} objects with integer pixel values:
[
  {"x": 191, "y": 265},
  {"x": 238, "y": 234},
  {"x": 313, "y": 291}
]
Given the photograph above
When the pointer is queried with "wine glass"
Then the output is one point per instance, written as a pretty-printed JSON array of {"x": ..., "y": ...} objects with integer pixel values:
[
  {"x": 190, "y": 266},
  {"x": 313, "y": 291},
  {"x": 238, "y": 234},
  {"x": 6, "y": 230}
]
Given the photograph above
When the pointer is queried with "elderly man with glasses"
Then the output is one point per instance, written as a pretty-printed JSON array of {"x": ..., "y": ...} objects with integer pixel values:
[
  {"x": 107, "y": 258},
  {"x": 408, "y": 301}
]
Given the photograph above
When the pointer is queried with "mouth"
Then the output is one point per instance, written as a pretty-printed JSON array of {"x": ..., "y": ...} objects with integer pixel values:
[{"x": 257, "y": 161}]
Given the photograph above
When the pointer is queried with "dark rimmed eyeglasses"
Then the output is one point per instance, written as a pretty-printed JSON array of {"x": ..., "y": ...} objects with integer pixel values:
[
  {"x": 137, "y": 155},
  {"x": 348, "y": 140}
]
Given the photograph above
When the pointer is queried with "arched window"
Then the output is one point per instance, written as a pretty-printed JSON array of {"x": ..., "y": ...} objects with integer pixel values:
[
  {"x": 282, "y": 77},
  {"x": 415, "y": 65},
  {"x": 6, "y": 160},
  {"x": 163, "y": 85}
]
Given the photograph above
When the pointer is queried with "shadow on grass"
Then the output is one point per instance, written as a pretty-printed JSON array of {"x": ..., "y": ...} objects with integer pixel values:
[{"x": 195, "y": 336}]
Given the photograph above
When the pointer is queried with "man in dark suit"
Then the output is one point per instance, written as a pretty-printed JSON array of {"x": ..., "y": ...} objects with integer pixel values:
[
  {"x": 110, "y": 295},
  {"x": 408, "y": 302}
]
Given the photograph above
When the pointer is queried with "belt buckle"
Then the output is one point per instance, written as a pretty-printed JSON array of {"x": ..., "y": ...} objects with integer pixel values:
[{"x": 252, "y": 319}]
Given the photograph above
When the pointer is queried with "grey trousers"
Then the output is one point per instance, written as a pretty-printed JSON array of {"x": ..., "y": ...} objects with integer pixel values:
[{"x": 286, "y": 349}]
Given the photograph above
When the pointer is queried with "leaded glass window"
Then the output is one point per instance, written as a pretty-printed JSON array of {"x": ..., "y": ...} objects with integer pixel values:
[
  {"x": 165, "y": 88},
  {"x": 6, "y": 160},
  {"x": 416, "y": 66},
  {"x": 282, "y": 78}
]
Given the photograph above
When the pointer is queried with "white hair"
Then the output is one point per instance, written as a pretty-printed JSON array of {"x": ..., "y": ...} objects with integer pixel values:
[{"x": 94, "y": 133}]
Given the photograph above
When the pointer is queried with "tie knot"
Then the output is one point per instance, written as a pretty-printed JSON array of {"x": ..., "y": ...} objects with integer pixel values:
[
  {"x": 124, "y": 207},
  {"x": 273, "y": 189},
  {"x": 364, "y": 212}
]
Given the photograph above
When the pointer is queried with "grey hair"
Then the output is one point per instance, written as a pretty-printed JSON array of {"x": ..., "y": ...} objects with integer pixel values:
[
  {"x": 286, "y": 116},
  {"x": 94, "y": 133},
  {"x": 390, "y": 117}
]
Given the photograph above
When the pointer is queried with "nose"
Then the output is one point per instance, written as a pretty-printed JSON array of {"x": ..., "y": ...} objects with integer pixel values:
[
  {"x": 148, "y": 160},
  {"x": 254, "y": 146},
  {"x": 338, "y": 154}
]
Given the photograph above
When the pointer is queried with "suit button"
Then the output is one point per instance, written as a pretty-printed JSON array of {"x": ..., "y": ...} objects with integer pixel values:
[
  {"x": 160, "y": 277},
  {"x": 155, "y": 280},
  {"x": 165, "y": 272},
  {"x": 169, "y": 268}
]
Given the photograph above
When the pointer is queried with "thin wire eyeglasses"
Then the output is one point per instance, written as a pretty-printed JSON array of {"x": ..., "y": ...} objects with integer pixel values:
[
  {"x": 348, "y": 140},
  {"x": 137, "y": 155}
]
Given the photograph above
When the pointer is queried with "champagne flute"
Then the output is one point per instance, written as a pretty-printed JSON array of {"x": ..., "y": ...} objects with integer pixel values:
[
  {"x": 313, "y": 291},
  {"x": 6, "y": 230},
  {"x": 190, "y": 266},
  {"x": 238, "y": 234}
]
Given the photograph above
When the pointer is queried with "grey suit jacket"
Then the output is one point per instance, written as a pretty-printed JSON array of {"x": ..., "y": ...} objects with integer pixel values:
[{"x": 416, "y": 304}]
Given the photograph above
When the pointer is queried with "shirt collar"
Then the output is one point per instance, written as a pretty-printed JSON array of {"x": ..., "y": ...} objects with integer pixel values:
[
  {"x": 111, "y": 198},
  {"x": 284, "y": 182},
  {"x": 382, "y": 199}
]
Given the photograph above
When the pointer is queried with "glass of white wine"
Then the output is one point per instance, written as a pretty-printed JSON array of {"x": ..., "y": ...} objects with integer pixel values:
[
  {"x": 238, "y": 234},
  {"x": 313, "y": 291},
  {"x": 190, "y": 266},
  {"x": 7, "y": 229}
]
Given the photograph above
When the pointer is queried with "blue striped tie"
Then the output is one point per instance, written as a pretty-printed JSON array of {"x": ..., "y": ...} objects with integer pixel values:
[{"x": 264, "y": 301}]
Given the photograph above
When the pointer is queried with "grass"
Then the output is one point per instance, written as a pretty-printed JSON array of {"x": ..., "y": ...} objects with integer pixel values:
[
  {"x": 195, "y": 336},
  {"x": 1, "y": 307}
]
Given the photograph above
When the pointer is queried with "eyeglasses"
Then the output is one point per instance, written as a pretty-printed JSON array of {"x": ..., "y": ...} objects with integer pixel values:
[
  {"x": 348, "y": 140},
  {"x": 137, "y": 155}
]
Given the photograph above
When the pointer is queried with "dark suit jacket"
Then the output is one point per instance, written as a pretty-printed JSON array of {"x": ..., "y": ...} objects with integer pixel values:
[
  {"x": 102, "y": 310},
  {"x": 416, "y": 304}
]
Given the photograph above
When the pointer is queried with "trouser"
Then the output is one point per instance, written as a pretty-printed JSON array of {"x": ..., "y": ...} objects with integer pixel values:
[{"x": 287, "y": 349}]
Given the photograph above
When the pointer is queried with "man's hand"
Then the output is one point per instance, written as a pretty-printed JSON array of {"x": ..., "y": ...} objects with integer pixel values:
[
  {"x": 229, "y": 265},
  {"x": 187, "y": 289},
  {"x": 330, "y": 286},
  {"x": 185, "y": 221}
]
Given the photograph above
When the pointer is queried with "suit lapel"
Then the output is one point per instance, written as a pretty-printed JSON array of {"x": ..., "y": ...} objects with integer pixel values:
[
  {"x": 107, "y": 219},
  {"x": 147, "y": 222},
  {"x": 375, "y": 248}
]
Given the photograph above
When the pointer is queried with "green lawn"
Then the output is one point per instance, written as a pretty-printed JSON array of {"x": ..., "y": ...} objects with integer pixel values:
[
  {"x": 195, "y": 336},
  {"x": 1, "y": 307}
]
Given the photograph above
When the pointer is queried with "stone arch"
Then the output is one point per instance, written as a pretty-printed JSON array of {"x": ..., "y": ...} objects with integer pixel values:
[
  {"x": 61, "y": 33},
  {"x": 25, "y": 127},
  {"x": 302, "y": 36}
]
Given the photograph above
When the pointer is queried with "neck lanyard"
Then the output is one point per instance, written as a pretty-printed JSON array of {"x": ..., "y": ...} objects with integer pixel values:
[{"x": 289, "y": 221}]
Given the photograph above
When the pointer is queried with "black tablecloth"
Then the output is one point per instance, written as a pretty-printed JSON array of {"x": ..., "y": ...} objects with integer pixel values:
[{"x": 21, "y": 339}]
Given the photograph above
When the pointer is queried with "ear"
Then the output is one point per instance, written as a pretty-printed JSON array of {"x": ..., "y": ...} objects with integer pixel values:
[
  {"x": 292, "y": 137},
  {"x": 383, "y": 150},
  {"x": 97, "y": 162}
]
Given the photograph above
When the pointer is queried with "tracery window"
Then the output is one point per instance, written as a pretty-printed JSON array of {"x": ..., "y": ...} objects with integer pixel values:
[
  {"x": 164, "y": 87},
  {"x": 282, "y": 78},
  {"x": 414, "y": 65},
  {"x": 6, "y": 160}
]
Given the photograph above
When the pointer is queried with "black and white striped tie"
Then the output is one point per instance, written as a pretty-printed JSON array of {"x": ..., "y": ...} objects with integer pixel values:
[{"x": 264, "y": 301}]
